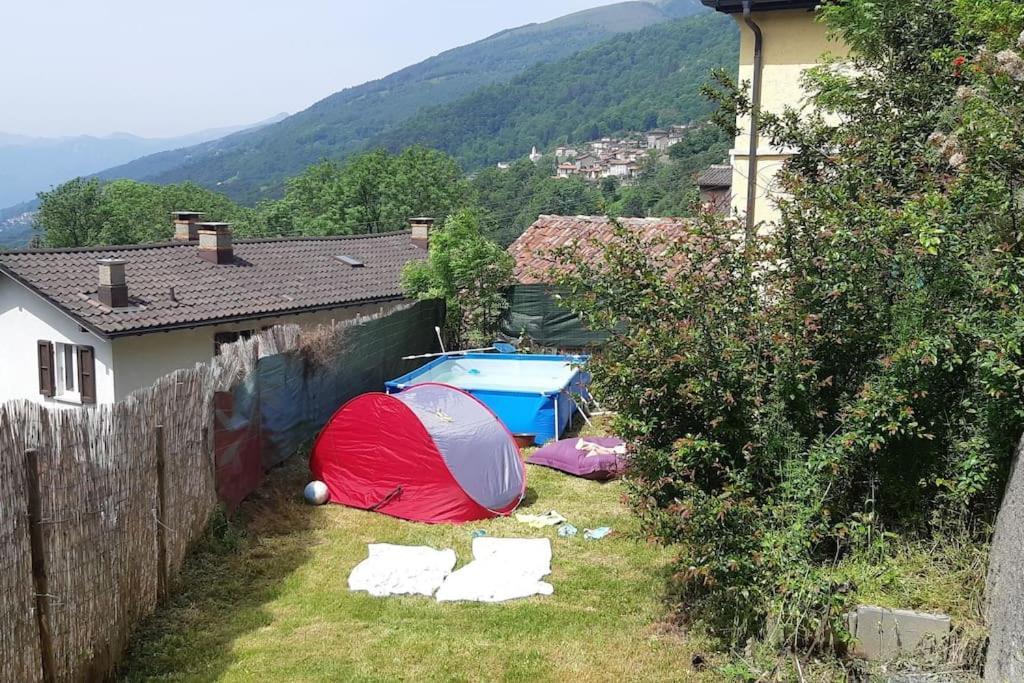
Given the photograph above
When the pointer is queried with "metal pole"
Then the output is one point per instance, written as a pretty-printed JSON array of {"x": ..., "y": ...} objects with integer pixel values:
[
  {"x": 556, "y": 417},
  {"x": 755, "y": 121}
]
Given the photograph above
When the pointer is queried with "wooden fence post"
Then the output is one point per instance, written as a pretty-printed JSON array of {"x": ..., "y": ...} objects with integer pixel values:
[
  {"x": 161, "y": 528},
  {"x": 39, "y": 580}
]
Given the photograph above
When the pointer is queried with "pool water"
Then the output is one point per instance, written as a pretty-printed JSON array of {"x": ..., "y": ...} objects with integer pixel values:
[
  {"x": 531, "y": 394},
  {"x": 500, "y": 374}
]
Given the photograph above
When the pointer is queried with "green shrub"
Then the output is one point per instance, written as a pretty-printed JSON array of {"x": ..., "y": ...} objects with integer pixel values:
[
  {"x": 855, "y": 374},
  {"x": 469, "y": 272}
]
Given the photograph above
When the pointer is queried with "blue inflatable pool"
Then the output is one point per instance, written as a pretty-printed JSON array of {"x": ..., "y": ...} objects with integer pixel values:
[{"x": 530, "y": 394}]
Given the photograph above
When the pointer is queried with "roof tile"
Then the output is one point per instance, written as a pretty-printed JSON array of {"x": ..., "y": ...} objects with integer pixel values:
[
  {"x": 267, "y": 277},
  {"x": 719, "y": 175},
  {"x": 533, "y": 250}
]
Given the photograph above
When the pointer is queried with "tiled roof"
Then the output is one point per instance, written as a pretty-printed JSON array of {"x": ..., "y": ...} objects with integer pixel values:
[
  {"x": 267, "y": 277},
  {"x": 719, "y": 175},
  {"x": 533, "y": 249}
]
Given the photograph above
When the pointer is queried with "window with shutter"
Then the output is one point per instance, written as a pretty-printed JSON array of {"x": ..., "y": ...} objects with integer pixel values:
[
  {"x": 87, "y": 374},
  {"x": 44, "y": 354}
]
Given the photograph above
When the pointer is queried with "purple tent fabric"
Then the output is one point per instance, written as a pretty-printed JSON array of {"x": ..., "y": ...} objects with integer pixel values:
[{"x": 562, "y": 455}]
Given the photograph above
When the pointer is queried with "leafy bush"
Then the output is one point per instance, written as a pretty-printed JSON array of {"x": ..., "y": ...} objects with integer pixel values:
[
  {"x": 855, "y": 374},
  {"x": 469, "y": 272}
]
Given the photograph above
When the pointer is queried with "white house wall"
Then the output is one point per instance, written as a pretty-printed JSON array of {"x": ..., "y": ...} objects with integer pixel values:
[
  {"x": 140, "y": 360},
  {"x": 25, "y": 319}
]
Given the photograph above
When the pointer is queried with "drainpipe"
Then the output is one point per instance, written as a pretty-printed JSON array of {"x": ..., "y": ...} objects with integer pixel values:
[{"x": 755, "y": 118}]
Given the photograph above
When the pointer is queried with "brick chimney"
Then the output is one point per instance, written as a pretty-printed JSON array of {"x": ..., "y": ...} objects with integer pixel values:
[
  {"x": 215, "y": 242},
  {"x": 185, "y": 225},
  {"x": 113, "y": 288},
  {"x": 421, "y": 228}
]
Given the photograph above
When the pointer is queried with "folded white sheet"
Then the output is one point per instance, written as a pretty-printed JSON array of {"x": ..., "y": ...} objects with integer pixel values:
[
  {"x": 401, "y": 570},
  {"x": 502, "y": 569}
]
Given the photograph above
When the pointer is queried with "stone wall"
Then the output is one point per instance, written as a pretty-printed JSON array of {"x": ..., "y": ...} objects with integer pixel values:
[{"x": 1005, "y": 589}]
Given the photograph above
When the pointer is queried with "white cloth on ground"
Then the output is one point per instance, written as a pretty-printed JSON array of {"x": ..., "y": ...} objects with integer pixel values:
[
  {"x": 597, "y": 449},
  {"x": 552, "y": 518},
  {"x": 502, "y": 569},
  {"x": 401, "y": 570}
]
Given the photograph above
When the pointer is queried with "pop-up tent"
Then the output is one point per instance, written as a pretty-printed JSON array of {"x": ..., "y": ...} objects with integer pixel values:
[{"x": 432, "y": 453}]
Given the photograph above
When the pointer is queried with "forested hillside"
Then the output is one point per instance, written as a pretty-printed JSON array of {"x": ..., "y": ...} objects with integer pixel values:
[
  {"x": 375, "y": 192},
  {"x": 249, "y": 167},
  {"x": 635, "y": 81}
]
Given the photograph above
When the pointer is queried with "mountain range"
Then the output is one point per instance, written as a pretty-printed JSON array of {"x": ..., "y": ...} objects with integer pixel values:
[
  {"x": 253, "y": 165},
  {"x": 30, "y": 164},
  {"x": 633, "y": 82},
  {"x": 627, "y": 66}
]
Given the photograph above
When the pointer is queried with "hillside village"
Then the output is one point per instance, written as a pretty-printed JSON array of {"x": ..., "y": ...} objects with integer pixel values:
[
  {"x": 750, "y": 410},
  {"x": 611, "y": 157}
]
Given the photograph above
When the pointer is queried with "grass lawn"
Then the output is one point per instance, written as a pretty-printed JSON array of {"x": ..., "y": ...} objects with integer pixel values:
[{"x": 271, "y": 602}]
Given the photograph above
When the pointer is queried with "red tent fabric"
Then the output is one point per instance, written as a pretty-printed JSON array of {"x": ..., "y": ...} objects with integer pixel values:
[{"x": 432, "y": 454}]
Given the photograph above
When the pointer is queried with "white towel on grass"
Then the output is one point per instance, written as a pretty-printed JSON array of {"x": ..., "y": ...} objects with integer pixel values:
[
  {"x": 502, "y": 569},
  {"x": 401, "y": 570}
]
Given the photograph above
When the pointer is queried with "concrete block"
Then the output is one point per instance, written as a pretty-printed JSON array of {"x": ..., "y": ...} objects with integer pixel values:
[{"x": 883, "y": 634}]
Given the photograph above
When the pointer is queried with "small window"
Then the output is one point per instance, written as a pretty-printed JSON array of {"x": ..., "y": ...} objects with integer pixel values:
[
  {"x": 69, "y": 367},
  {"x": 75, "y": 371},
  {"x": 350, "y": 261},
  {"x": 67, "y": 389},
  {"x": 221, "y": 338}
]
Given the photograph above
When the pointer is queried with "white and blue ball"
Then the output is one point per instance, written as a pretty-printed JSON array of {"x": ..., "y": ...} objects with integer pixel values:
[{"x": 316, "y": 493}]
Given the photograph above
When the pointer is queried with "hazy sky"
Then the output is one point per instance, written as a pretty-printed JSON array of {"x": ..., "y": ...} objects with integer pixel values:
[{"x": 168, "y": 67}]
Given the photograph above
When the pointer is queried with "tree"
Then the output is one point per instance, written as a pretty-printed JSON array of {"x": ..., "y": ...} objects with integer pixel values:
[
  {"x": 371, "y": 192},
  {"x": 83, "y": 212},
  {"x": 71, "y": 214},
  {"x": 422, "y": 182},
  {"x": 313, "y": 203},
  {"x": 469, "y": 272}
]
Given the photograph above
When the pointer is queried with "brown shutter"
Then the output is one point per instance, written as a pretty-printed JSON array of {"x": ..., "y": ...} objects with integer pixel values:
[
  {"x": 44, "y": 354},
  {"x": 87, "y": 374}
]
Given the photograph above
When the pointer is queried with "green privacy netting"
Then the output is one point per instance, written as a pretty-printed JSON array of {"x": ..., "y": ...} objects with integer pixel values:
[
  {"x": 288, "y": 397},
  {"x": 537, "y": 312}
]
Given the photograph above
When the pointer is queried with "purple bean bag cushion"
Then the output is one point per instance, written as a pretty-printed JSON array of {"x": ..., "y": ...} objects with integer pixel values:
[{"x": 563, "y": 455}]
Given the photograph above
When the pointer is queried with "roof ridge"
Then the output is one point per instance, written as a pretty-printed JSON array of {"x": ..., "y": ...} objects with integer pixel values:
[
  {"x": 328, "y": 238},
  {"x": 598, "y": 217},
  {"x": 172, "y": 243}
]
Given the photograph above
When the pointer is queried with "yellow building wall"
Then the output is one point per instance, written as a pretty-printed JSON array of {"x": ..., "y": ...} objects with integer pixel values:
[{"x": 793, "y": 42}]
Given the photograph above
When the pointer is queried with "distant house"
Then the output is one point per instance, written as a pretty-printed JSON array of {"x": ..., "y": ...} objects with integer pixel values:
[
  {"x": 622, "y": 168},
  {"x": 791, "y": 41},
  {"x": 565, "y": 153},
  {"x": 566, "y": 170},
  {"x": 536, "y": 309},
  {"x": 91, "y": 325},
  {"x": 504, "y": 165},
  {"x": 657, "y": 139},
  {"x": 715, "y": 186}
]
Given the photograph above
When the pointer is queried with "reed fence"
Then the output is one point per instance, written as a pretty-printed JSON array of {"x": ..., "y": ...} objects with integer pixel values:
[{"x": 99, "y": 506}]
